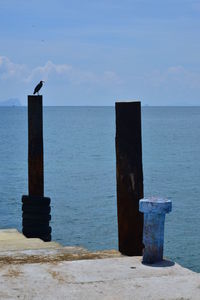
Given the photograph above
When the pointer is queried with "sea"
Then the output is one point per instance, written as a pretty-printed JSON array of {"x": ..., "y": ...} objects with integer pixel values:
[{"x": 80, "y": 174}]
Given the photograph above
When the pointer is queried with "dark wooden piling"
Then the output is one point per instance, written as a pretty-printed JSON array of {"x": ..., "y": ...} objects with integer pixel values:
[
  {"x": 129, "y": 177},
  {"x": 35, "y": 207},
  {"x": 35, "y": 146}
]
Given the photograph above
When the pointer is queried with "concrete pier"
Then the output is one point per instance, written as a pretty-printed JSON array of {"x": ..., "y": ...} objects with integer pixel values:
[{"x": 33, "y": 269}]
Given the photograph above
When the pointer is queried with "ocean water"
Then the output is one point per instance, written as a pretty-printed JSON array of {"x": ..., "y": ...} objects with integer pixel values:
[{"x": 79, "y": 149}]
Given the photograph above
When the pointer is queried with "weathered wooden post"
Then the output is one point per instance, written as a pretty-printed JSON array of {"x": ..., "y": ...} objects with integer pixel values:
[
  {"x": 129, "y": 177},
  {"x": 35, "y": 207}
]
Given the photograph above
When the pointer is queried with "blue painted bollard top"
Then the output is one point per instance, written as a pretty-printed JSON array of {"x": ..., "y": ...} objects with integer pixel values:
[{"x": 154, "y": 210}]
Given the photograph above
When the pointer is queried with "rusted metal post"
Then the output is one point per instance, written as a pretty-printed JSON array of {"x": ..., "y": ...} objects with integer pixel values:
[
  {"x": 35, "y": 207},
  {"x": 35, "y": 146},
  {"x": 129, "y": 177}
]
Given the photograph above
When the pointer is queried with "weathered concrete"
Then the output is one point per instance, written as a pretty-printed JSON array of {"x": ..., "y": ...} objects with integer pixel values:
[
  {"x": 11, "y": 239},
  {"x": 110, "y": 278},
  {"x": 15, "y": 248}
]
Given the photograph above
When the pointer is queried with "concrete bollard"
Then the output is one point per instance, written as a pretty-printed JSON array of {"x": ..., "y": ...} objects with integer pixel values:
[{"x": 154, "y": 210}]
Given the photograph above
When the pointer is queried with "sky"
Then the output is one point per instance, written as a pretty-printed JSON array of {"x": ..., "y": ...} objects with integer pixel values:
[{"x": 97, "y": 52}]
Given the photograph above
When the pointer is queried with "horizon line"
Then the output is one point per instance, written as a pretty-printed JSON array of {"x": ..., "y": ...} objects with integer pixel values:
[{"x": 142, "y": 105}]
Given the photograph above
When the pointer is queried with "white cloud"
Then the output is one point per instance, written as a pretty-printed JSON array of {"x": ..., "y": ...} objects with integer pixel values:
[
  {"x": 48, "y": 69},
  {"x": 196, "y": 6},
  {"x": 10, "y": 70},
  {"x": 173, "y": 75},
  {"x": 77, "y": 85},
  {"x": 185, "y": 77},
  {"x": 174, "y": 70}
]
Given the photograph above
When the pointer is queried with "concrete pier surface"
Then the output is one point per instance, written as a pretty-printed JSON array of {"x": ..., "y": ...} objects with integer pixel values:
[{"x": 33, "y": 269}]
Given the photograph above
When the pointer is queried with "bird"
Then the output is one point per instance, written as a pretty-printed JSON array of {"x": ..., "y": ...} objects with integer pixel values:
[{"x": 38, "y": 87}]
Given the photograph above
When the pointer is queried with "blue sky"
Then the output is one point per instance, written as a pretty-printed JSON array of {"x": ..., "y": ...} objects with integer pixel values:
[{"x": 93, "y": 52}]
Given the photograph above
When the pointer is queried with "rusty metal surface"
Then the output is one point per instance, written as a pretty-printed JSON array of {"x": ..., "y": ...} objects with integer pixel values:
[
  {"x": 129, "y": 177},
  {"x": 35, "y": 146}
]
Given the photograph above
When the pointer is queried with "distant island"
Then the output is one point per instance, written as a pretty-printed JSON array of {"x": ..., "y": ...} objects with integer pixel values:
[{"x": 10, "y": 102}]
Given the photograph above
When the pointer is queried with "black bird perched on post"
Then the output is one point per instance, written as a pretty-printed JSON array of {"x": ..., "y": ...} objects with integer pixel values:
[{"x": 38, "y": 87}]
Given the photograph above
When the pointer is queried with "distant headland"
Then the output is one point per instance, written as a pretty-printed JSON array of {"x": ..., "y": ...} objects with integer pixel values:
[{"x": 10, "y": 102}]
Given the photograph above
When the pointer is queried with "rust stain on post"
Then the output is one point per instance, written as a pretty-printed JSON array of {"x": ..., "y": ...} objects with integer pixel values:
[
  {"x": 35, "y": 146},
  {"x": 35, "y": 207},
  {"x": 129, "y": 177}
]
